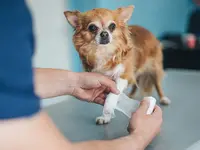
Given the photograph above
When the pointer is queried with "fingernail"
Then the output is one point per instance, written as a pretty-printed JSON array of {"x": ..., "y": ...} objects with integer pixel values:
[{"x": 117, "y": 92}]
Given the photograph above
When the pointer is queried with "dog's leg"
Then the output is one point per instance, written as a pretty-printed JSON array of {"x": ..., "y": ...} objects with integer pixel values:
[
  {"x": 163, "y": 99},
  {"x": 133, "y": 91},
  {"x": 111, "y": 103}
]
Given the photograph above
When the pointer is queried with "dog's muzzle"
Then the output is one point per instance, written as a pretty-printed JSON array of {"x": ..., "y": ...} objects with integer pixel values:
[{"x": 104, "y": 37}]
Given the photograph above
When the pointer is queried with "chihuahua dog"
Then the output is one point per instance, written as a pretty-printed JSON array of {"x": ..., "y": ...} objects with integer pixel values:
[{"x": 131, "y": 55}]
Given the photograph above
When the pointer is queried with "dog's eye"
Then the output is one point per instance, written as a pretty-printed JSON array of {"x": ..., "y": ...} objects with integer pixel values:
[
  {"x": 112, "y": 27},
  {"x": 92, "y": 28}
]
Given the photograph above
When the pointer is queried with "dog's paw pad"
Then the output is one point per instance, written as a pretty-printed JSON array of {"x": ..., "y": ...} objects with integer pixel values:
[
  {"x": 102, "y": 120},
  {"x": 165, "y": 101}
]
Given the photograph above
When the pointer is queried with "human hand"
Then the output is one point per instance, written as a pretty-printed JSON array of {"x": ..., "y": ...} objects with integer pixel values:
[
  {"x": 145, "y": 127},
  {"x": 93, "y": 87}
]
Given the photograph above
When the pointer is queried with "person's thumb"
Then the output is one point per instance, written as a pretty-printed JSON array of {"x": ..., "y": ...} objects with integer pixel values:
[{"x": 144, "y": 105}]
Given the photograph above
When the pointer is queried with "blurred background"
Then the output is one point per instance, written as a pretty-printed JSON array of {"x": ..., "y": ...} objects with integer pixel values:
[
  {"x": 166, "y": 19},
  {"x": 175, "y": 22}
]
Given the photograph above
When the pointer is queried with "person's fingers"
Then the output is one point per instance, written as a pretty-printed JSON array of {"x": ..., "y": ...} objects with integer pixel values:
[
  {"x": 144, "y": 105},
  {"x": 157, "y": 111},
  {"x": 98, "y": 92},
  {"x": 103, "y": 96},
  {"x": 84, "y": 95},
  {"x": 109, "y": 83},
  {"x": 99, "y": 100},
  {"x": 129, "y": 128},
  {"x": 107, "y": 90}
]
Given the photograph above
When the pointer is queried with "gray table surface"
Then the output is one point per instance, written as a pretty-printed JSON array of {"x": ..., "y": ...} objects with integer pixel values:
[{"x": 76, "y": 119}]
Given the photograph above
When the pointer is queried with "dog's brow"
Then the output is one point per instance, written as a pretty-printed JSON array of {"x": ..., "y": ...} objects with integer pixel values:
[
  {"x": 102, "y": 23},
  {"x": 98, "y": 24},
  {"x": 109, "y": 22}
]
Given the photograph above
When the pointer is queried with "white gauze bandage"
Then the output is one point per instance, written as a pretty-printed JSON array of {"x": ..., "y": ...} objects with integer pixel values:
[
  {"x": 112, "y": 99},
  {"x": 127, "y": 105}
]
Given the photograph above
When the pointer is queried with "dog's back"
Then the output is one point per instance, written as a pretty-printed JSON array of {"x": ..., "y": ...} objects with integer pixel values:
[
  {"x": 147, "y": 62},
  {"x": 146, "y": 46}
]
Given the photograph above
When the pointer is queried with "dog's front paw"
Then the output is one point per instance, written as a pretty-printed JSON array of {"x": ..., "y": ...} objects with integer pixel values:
[
  {"x": 102, "y": 120},
  {"x": 165, "y": 100}
]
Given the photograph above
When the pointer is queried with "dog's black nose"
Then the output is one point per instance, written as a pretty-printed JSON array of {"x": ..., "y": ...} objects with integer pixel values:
[
  {"x": 104, "y": 37},
  {"x": 104, "y": 34}
]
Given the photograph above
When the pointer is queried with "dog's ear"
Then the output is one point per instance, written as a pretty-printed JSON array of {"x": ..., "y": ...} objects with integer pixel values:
[
  {"x": 125, "y": 13},
  {"x": 72, "y": 17}
]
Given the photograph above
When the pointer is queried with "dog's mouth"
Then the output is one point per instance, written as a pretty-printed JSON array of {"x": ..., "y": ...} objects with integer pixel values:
[{"x": 104, "y": 41}]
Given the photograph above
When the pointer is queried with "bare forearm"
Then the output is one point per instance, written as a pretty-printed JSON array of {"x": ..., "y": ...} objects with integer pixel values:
[
  {"x": 54, "y": 82},
  {"x": 40, "y": 133},
  {"x": 37, "y": 132},
  {"x": 124, "y": 143}
]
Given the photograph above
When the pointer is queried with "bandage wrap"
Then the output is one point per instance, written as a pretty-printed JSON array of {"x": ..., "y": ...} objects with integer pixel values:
[
  {"x": 127, "y": 105},
  {"x": 112, "y": 99}
]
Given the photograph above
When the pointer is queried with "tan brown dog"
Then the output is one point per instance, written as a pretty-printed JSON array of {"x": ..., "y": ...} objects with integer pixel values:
[{"x": 129, "y": 54}]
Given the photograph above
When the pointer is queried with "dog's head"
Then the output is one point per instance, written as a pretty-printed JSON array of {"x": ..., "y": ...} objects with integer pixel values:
[{"x": 99, "y": 28}]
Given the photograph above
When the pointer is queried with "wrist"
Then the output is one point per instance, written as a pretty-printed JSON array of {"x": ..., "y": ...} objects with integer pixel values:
[
  {"x": 139, "y": 140},
  {"x": 72, "y": 80}
]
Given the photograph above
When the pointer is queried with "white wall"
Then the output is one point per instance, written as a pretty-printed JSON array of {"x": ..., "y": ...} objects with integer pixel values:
[{"x": 51, "y": 37}]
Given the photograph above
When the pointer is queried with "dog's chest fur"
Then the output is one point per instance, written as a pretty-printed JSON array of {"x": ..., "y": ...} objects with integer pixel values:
[{"x": 105, "y": 54}]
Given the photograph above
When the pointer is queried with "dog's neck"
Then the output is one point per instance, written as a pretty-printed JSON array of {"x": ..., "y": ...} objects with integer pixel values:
[{"x": 104, "y": 58}]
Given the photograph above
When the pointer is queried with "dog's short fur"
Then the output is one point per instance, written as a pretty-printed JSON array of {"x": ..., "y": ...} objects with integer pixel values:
[{"x": 129, "y": 52}]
